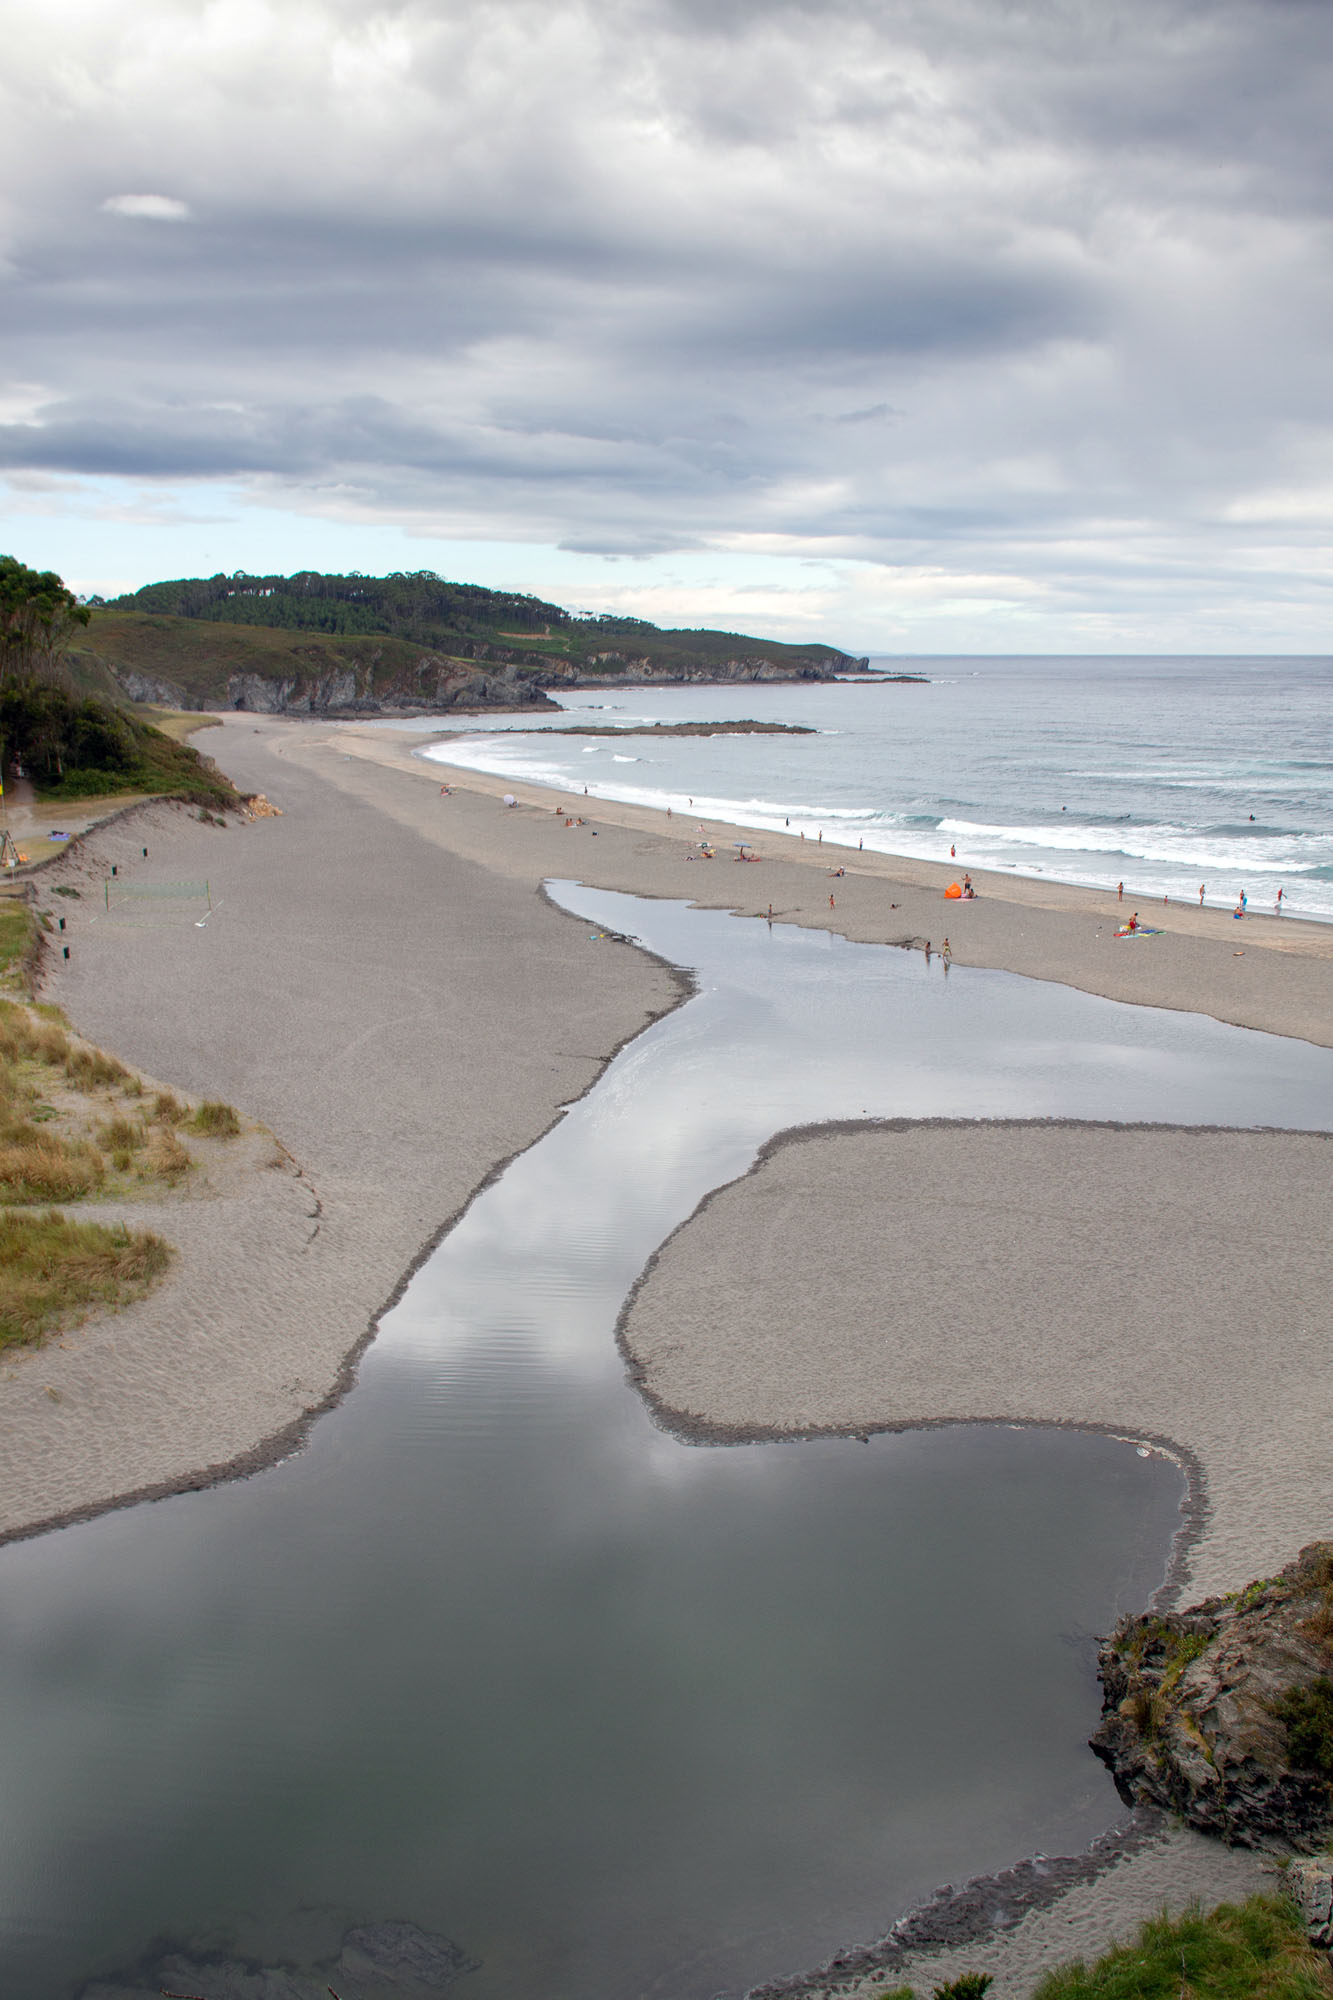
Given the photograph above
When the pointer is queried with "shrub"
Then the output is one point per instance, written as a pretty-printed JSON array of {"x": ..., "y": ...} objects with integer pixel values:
[
  {"x": 165, "y": 1158},
  {"x": 216, "y": 1121},
  {"x": 121, "y": 1135},
  {"x": 167, "y": 1108},
  {"x": 1308, "y": 1714},
  {"x": 89, "y": 1068},
  {"x": 970, "y": 1987}
]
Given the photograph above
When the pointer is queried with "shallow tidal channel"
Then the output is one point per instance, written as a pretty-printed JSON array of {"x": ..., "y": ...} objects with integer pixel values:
[{"x": 619, "y": 1714}]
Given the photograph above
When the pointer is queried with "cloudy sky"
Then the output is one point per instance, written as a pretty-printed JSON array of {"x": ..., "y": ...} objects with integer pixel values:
[{"x": 916, "y": 325}]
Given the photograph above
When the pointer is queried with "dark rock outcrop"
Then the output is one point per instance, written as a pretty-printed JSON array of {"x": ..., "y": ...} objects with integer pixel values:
[{"x": 1224, "y": 1713}]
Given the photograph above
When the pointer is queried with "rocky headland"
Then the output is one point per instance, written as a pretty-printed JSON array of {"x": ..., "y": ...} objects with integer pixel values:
[{"x": 1223, "y": 1713}]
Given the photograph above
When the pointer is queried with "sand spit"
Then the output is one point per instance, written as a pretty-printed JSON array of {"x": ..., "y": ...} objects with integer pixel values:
[
  {"x": 1165, "y": 1283},
  {"x": 1160, "y": 1282},
  {"x": 401, "y": 1018}
]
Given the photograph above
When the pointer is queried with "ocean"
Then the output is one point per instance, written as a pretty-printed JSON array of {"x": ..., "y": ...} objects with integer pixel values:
[{"x": 1166, "y": 774}]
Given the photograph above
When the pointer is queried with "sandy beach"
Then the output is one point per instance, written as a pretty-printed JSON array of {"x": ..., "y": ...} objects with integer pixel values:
[
  {"x": 381, "y": 986},
  {"x": 401, "y": 1019}
]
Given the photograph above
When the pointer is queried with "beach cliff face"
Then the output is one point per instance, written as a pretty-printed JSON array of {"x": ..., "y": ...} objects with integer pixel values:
[{"x": 435, "y": 685}]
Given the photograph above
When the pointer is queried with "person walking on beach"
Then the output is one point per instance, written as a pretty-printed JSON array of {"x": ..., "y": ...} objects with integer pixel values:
[
  {"x": 946, "y": 952},
  {"x": 832, "y": 905},
  {"x": 1278, "y": 905}
]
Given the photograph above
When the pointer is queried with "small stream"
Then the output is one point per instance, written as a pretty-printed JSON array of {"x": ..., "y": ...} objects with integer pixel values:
[{"x": 494, "y": 1656}]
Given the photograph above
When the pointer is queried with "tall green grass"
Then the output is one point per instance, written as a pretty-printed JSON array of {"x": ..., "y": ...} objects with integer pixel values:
[
  {"x": 53, "y": 1271},
  {"x": 1249, "y": 1951}
]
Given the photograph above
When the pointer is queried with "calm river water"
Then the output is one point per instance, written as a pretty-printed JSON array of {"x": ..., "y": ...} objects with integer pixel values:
[{"x": 494, "y": 1656}]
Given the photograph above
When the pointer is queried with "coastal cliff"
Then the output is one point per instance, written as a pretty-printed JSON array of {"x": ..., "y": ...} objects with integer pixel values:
[
  {"x": 356, "y": 645},
  {"x": 1223, "y": 1713}
]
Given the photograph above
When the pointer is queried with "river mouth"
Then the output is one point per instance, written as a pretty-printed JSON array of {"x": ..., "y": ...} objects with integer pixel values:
[{"x": 498, "y": 1658}]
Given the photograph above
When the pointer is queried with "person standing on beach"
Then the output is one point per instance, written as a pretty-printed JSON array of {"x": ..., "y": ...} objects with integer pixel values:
[
  {"x": 946, "y": 952},
  {"x": 1120, "y": 893},
  {"x": 1202, "y": 887},
  {"x": 1244, "y": 902},
  {"x": 1278, "y": 905}
]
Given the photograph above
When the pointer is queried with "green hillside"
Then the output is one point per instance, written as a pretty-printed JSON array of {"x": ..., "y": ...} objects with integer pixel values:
[{"x": 317, "y": 642}]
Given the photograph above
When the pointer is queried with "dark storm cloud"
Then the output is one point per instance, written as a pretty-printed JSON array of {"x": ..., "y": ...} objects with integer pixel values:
[{"x": 882, "y": 277}]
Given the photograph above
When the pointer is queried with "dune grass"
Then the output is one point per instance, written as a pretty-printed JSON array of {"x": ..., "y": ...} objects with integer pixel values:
[
  {"x": 1255, "y": 1950},
  {"x": 74, "y": 1121},
  {"x": 53, "y": 1271},
  {"x": 216, "y": 1120}
]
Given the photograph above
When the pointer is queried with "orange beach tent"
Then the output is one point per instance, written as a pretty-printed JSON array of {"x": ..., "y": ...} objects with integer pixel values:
[{"x": 954, "y": 892}]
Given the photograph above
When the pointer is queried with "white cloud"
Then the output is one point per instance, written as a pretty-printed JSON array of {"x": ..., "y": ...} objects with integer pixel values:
[
  {"x": 152, "y": 207},
  {"x": 953, "y": 290}
]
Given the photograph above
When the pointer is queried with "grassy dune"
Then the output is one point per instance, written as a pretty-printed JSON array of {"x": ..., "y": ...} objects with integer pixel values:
[{"x": 76, "y": 1124}]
